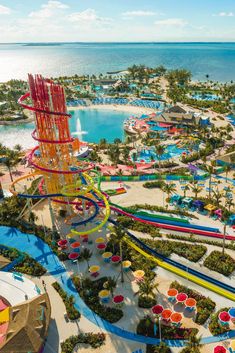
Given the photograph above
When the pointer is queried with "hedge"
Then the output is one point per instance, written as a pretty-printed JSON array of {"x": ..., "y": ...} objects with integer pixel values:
[{"x": 72, "y": 312}]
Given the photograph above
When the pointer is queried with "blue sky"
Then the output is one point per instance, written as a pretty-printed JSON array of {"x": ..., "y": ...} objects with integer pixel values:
[{"x": 120, "y": 20}]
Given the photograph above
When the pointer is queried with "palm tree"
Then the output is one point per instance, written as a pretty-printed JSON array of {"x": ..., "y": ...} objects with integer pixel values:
[
  {"x": 119, "y": 235},
  {"x": 159, "y": 149},
  {"x": 125, "y": 153},
  {"x": 86, "y": 255},
  {"x": 11, "y": 159},
  {"x": 196, "y": 189},
  {"x": 147, "y": 288},
  {"x": 210, "y": 170},
  {"x": 169, "y": 189},
  {"x": 117, "y": 141},
  {"x": 186, "y": 188},
  {"x": 217, "y": 196},
  {"x": 227, "y": 169},
  {"x": 103, "y": 143},
  {"x": 110, "y": 284},
  {"x": 229, "y": 203},
  {"x": 18, "y": 148},
  {"x": 194, "y": 344}
]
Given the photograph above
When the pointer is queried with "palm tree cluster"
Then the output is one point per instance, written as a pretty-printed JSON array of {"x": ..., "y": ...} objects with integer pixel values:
[{"x": 10, "y": 157}]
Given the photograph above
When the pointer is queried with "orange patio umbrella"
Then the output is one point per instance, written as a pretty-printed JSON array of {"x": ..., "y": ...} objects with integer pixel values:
[
  {"x": 176, "y": 318},
  {"x": 166, "y": 314}
]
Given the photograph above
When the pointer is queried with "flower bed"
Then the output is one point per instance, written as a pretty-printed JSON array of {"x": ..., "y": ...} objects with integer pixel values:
[
  {"x": 72, "y": 312},
  {"x": 221, "y": 263},
  {"x": 139, "y": 227},
  {"x": 145, "y": 327},
  {"x": 191, "y": 252},
  {"x": 95, "y": 340},
  {"x": 28, "y": 265},
  {"x": 153, "y": 184},
  {"x": 89, "y": 292},
  {"x": 205, "y": 306},
  {"x": 145, "y": 206},
  {"x": 146, "y": 302},
  {"x": 162, "y": 348},
  {"x": 214, "y": 326}
]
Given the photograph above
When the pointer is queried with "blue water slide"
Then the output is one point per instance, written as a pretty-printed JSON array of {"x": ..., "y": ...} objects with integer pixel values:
[
  {"x": 176, "y": 264},
  {"x": 180, "y": 224}
]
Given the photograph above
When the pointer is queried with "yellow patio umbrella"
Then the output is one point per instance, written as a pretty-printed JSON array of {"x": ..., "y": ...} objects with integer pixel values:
[
  {"x": 139, "y": 274},
  {"x": 100, "y": 240},
  {"x": 232, "y": 345},
  {"x": 94, "y": 268},
  {"x": 104, "y": 293},
  {"x": 4, "y": 315}
]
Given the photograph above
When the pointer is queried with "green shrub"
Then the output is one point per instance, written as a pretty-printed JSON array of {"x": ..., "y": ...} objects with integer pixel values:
[
  {"x": 146, "y": 302},
  {"x": 153, "y": 184},
  {"x": 219, "y": 262},
  {"x": 145, "y": 327},
  {"x": 28, "y": 265},
  {"x": 95, "y": 340},
  {"x": 162, "y": 348},
  {"x": 191, "y": 252},
  {"x": 72, "y": 312},
  {"x": 214, "y": 325},
  {"x": 89, "y": 292}
]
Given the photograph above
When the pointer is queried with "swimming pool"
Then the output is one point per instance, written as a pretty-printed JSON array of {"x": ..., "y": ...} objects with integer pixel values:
[
  {"x": 206, "y": 97},
  {"x": 88, "y": 125},
  {"x": 149, "y": 155},
  {"x": 231, "y": 119}
]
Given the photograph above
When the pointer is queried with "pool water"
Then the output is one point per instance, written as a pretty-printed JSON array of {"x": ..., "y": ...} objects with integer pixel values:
[
  {"x": 206, "y": 97},
  {"x": 231, "y": 119},
  {"x": 171, "y": 151},
  {"x": 93, "y": 124},
  {"x": 88, "y": 125}
]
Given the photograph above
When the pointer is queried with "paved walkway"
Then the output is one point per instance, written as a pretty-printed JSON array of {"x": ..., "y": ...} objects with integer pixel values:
[{"x": 41, "y": 252}]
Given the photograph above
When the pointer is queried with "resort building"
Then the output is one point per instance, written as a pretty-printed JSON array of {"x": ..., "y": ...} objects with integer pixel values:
[
  {"x": 180, "y": 117},
  {"x": 110, "y": 84},
  {"x": 24, "y": 315}
]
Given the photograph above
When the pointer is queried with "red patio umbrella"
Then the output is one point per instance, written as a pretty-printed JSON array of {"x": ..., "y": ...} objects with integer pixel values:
[
  {"x": 157, "y": 309},
  {"x": 181, "y": 297},
  {"x": 118, "y": 299},
  {"x": 220, "y": 349},
  {"x": 62, "y": 242},
  {"x": 73, "y": 255}
]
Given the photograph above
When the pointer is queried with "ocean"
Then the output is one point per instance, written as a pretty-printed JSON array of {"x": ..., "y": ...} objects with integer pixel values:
[{"x": 58, "y": 59}]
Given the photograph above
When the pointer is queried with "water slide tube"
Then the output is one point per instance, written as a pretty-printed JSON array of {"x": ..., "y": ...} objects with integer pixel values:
[
  {"x": 197, "y": 277},
  {"x": 78, "y": 194},
  {"x": 171, "y": 227},
  {"x": 190, "y": 226}
]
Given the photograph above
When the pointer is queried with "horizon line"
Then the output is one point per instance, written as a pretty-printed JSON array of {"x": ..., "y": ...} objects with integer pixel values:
[{"x": 120, "y": 42}]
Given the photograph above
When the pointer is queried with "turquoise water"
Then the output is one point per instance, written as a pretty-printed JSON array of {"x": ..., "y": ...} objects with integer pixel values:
[
  {"x": 206, "y": 97},
  {"x": 170, "y": 152},
  {"x": 213, "y": 59},
  {"x": 95, "y": 124},
  {"x": 89, "y": 125}
]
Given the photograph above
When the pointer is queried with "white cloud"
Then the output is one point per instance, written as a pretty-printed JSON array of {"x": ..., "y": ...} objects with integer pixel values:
[
  {"x": 53, "y": 4},
  {"x": 4, "y": 10},
  {"x": 88, "y": 16},
  {"x": 172, "y": 22},
  {"x": 139, "y": 13},
  {"x": 49, "y": 9},
  {"x": 225, "y": 14}
]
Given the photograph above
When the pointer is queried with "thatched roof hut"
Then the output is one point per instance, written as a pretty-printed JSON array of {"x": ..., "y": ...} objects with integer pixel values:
[{"x": 28, "y": 326}]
